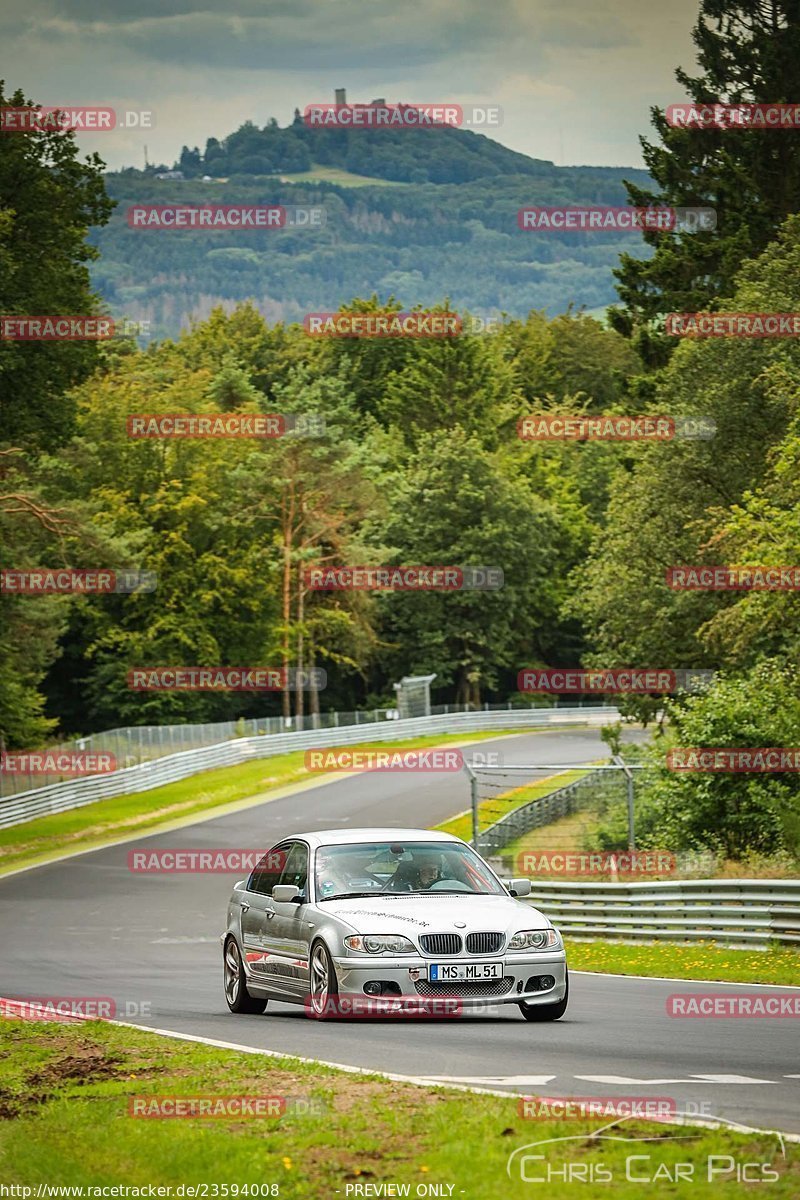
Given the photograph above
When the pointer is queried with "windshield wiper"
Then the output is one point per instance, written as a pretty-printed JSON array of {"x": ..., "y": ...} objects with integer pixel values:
[{"x": 351, "y": 895}]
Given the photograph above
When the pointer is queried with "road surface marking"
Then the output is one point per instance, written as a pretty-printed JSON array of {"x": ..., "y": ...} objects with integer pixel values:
[
  {"x": 496, "y": 1080},
  {"x": 627, "y": 1080}
]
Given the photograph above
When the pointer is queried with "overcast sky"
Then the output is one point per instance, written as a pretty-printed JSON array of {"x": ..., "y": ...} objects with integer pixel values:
[{"x": 575, "y": 80}]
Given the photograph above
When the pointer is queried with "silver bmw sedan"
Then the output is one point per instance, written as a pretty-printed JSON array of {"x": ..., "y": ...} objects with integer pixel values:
[{"x": 384, "y": 922}]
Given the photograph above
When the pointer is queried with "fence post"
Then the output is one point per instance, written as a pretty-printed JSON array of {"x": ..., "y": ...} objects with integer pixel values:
[
  {"x": 631, "y": 819},
  {"x": 473, "y": 791},
  {"x": 474, "y": 801}
]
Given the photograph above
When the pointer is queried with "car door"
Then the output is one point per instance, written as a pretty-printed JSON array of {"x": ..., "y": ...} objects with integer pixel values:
[
  {"x": 257, "y": 912},
  {"x": 286, "y": 934}
]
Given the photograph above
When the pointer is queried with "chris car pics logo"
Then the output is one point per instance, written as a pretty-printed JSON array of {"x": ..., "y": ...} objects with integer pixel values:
[{"x": 665, "y": 1159}]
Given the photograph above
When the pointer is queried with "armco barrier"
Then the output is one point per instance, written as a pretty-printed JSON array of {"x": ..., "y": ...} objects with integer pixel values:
[
  {"x": 58, "y": 797},
  {"x": 748, "y": 913}
]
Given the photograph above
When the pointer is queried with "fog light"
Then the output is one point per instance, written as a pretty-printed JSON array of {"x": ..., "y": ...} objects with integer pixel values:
[
  {"x": 373, "y": 987},
  {"x": 540, "y": 983}
]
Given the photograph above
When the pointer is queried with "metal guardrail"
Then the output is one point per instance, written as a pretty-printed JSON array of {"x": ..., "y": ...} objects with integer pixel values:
[
  {"x": 132, "y": 745},
  {"x": 747, "y": 913},
  {"x": 59, "y": 797}
]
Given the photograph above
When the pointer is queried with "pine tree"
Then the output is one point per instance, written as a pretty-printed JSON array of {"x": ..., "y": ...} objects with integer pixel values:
[{"x": 748, "y": 52}]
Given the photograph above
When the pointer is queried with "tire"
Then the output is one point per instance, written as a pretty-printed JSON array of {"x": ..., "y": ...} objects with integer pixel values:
[
  {"x": 545, "y": 1012},
  {"x": 236, "y": 994},
  {"x": 322, "y": 981}
]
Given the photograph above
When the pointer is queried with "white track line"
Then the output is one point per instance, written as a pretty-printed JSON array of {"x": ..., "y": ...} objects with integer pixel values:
[{"x": 775, "y": 987}]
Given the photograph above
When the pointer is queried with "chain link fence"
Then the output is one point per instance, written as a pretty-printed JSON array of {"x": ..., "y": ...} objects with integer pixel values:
[{"x": 510, "y": 802}]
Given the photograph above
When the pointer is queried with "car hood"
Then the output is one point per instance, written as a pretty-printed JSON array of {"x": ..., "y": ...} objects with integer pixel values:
[{"x": 435, "y": 914}]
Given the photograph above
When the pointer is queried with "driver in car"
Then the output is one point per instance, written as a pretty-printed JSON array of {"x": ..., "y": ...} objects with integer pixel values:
[{"x": 427, "y": 871}]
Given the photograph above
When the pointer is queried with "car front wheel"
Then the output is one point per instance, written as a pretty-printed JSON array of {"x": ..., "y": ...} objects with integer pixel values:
[
  {"x": 236, "y": 993},
  {"x": 545, "y": 1012},
  {"x": 324, "y": 984}
]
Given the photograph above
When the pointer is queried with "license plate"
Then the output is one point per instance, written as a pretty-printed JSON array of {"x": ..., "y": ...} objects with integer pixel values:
[{"x": 449, "y": 972}]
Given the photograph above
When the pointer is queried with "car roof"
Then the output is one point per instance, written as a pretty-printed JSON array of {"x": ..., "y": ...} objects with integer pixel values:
[{"x": 333, "y": 837}]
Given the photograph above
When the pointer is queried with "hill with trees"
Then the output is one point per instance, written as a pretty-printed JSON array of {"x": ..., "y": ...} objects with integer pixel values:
[{"x": 449, "y": 228}]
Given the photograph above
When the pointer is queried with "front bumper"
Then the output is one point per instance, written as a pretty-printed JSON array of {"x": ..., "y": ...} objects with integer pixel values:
[{"x": 519, "y": 970}]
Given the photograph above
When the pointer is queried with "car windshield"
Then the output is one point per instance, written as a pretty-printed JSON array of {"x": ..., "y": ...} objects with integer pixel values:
[{"x": 401, "y": 868}]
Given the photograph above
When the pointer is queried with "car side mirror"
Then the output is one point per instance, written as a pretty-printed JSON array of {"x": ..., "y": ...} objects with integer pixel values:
[
  {"x": 519, "y": 887},
  {"x": 286, "y": 893},
  {"x": 241, "y": 886}
]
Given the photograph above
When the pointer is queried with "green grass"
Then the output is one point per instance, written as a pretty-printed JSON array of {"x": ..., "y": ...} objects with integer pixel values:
[
  {"x": 321, "y": 174},
  {"x": 64, "y": 1109},
  {"x": 779, "y": 965},
  {"x": 109, "y": 820},
  {"x": 493, "y": 809}
]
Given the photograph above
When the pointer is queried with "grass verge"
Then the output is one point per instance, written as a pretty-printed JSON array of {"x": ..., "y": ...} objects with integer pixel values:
[
  {"x": 109, "y": 820},
  {"x": 778, "y": 966},
  {"x": 64, "y": 1121}
]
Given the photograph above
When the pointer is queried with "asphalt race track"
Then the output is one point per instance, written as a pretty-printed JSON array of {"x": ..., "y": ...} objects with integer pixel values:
[{"x": 87, "y": 926}]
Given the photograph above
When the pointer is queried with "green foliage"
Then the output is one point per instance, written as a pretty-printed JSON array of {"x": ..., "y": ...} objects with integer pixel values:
[
  {"x": 455, "y": 505},
  {"x": 728, "y": 813},
  {"x": 706, "y": 501},
  {"x": 416, "y": 242},
  {"x": 48, "y": 200},
  {"x": 747, "y": 52}
]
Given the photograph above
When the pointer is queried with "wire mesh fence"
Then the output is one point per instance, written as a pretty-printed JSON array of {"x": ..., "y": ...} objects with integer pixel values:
[
  {"x": 524, "y": 816},
  {"x": 529, "y": 805},
  {"x": 572, "y": 823}
]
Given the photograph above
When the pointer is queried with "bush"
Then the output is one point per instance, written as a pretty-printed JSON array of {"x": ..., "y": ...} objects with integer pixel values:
[{"x": 732, "y": 814}]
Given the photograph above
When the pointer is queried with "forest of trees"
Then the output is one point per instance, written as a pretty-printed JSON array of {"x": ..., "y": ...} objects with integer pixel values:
[
  {"x": 401, "y": 240},
  {"x": 421, "y": 463}
]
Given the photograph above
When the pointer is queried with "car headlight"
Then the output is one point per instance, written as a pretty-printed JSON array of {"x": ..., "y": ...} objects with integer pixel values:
[
  {"x": 380, "y": 943},
  {"x": 534, "y": 939}
]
